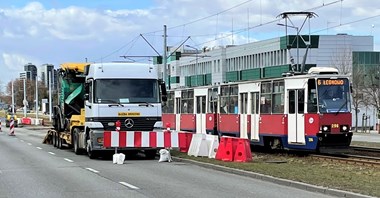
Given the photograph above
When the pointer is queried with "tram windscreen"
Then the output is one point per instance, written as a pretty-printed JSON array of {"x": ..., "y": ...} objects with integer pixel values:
[{"x": 333, "y": 95}]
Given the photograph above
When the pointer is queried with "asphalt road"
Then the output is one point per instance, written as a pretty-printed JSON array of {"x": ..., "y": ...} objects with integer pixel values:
[{"x": 29, "y": 168}]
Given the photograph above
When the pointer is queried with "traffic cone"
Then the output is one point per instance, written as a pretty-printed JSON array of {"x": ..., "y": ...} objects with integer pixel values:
[
  {"x": 243, "y": 151},
  {"x": 11, "y": 128}
]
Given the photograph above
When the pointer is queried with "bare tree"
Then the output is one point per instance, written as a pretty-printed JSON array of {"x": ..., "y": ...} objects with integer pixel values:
[
  {"x": 18, "y": 88},
  {"x": 372, "y": 86},
  {"x": 357, "y": 83},
  {"x": 342, "y": 60}
]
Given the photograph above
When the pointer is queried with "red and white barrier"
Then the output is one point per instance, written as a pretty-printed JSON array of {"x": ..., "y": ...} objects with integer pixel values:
[
  {"x": 12, "y": 128},
  {"x": 0, "y": 126},
  {"x": 141, "y": 139}
]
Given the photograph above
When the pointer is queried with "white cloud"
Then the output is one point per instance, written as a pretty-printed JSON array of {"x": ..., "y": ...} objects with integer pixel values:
[
  {"x": 16, "y": 62},
  {"x": 37, "y": 34}
]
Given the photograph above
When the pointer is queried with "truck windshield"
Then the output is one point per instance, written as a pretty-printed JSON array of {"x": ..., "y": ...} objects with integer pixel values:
[
  {"x": 333, "y": 95},
  {"x": 124, "y": 91}
]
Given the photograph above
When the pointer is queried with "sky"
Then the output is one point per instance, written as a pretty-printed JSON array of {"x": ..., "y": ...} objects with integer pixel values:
[{"x": 59, "y": 31}]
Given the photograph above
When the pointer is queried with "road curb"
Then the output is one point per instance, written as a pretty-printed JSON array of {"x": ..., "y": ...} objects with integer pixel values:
[{"x": 284, "y": 182}]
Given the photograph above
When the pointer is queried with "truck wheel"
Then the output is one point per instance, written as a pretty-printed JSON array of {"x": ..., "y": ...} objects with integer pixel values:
[
  {"x": 75, "y": 142},
  {"x": 92, "y": 154}
]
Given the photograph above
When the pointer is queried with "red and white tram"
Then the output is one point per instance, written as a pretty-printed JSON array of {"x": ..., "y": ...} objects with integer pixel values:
[{"x": 301, "y": 112}]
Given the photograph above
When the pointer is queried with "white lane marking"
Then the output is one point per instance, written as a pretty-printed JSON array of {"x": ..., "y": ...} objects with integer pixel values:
[
  {"x": 22, "y": 140},
  {"x": 30, "y": 144},
  {"x": 38, "y": 147},
  {"x": 92, "y": 170},
  {"x": 69, "y": 160},
  {"x": 129, "y": 185},
  {"x": 51, "y": 153}
]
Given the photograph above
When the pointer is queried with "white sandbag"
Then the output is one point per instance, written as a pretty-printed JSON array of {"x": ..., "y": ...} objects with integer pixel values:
[
  {"x": 118, "y": 158},
  {"x": 165, "y": 156}
]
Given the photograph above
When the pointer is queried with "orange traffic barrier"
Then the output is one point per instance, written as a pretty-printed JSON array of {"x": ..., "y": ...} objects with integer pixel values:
[
  {"x": 26, "y": 121},
  {"x": 226, "y": 149},
  {"x": 243, "y": 151},
  {"x": 221, "y": 148},
  {"x": 185, "y": 142}
]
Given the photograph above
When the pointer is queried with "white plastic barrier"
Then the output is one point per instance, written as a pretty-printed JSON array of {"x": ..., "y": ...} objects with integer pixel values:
[
  {"x": 213, "y": 144},
  {"x": 203, "y": 145},
  {"x": 198, "y": 146}
]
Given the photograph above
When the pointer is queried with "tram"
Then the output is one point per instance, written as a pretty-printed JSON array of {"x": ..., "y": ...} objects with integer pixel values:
[{"x": 309, "y": 111}]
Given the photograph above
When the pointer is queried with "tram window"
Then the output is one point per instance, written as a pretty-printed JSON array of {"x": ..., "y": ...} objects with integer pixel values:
[
  {"x": 201, "y": 104},
  {"x": 224, "y": 99},
  {"x": 312, "y": 97},
  {"x": 233, "y": 105},
  {"x": 187, "y": 101},
  {"x": 278, "y": 97},
  {"x": 301, "y": 101},
  {"x": 169, "y": 107},
  {"x": 266, "y": 97},
  {"x": 255, "y": 103},
  {"x": 265, "y": 103},
  {"x": 243, "y": 102},
  {"x": 212, "y": 100},
  {"x": 292, "y": 102}
]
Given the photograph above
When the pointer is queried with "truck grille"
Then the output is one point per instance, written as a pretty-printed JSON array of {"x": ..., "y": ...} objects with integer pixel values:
[{"x": 139, "y": 123}]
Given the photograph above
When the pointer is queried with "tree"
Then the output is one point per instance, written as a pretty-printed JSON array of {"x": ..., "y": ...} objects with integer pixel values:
[
  {"x": 372, "y": 86},
  {"x": 358, "y": 100},
  {"x": 18, "y": 88}
]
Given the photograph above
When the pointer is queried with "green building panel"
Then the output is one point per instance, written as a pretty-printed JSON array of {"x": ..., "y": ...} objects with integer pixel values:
[
  {"x": 188, "y": 81},
  {"x": 365, "y": 58},
  {"x": 275, "y": 71},
  {"x": 193, "y": 81},
  {"x": 174, "y": 56},
  {"x": 157, "y": 60},
  {"x": 208, "y": 79},
  {"x": 291, "y": 40},
  {"x": 251, "y": 74},
  {"x": 174, "y": 79},
  {"x": 232, "y": 76}
]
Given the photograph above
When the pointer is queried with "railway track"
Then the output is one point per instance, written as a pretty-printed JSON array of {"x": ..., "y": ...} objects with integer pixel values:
[{"x": 349, "y": 159}]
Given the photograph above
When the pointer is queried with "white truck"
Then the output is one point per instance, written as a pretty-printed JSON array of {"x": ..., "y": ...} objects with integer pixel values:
[{"x": 93, "y": 97}]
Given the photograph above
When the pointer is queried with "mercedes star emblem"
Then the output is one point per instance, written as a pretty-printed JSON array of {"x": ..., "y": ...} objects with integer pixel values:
[{"x": 129, "y": 123}]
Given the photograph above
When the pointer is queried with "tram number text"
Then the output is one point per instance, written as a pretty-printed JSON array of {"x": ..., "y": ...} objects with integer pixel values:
[{"x": 335, "y": 126}]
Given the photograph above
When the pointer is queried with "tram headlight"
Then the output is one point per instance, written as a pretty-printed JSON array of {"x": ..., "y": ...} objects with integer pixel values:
[
  {"x": 344, "y": 128},
  {"x": 326, "y": 128}
]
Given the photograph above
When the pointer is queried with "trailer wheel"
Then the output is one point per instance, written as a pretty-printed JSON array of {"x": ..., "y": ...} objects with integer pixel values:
[
  {"x": 55, "y": 139},
  {"x": 75, "y": 141},
  {"x": 59, "y": 142}
]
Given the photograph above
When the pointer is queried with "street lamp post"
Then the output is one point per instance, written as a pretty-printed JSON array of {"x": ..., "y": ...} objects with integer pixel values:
[
  {"x": 196, "y": 61},
  {"x": 25, "y": 102},
  {"x": 50, "y": 105},
  {"x": 37, "y": 122}
]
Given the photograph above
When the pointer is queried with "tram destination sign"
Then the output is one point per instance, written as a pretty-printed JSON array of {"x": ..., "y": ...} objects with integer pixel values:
[{"x": 328, "y": 82}]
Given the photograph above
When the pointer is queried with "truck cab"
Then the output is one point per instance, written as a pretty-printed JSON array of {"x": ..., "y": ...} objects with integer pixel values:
[{"x": 128, "y": 93}]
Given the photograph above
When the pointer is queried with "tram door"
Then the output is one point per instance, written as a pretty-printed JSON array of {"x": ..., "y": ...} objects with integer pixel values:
[
  {"x": 248, "y": 110},
  {"x": 200, "y": 104},
  {"x": 178, "y": 110},
  {"x": 296, "y": 109},
  {"x": 244, "y": 121},
  {"x": 255, "y": 116}
]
